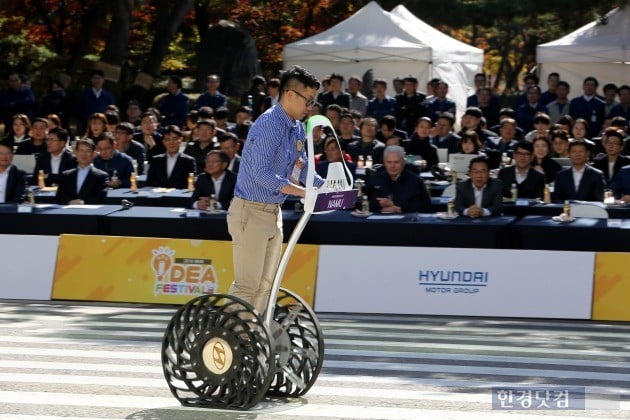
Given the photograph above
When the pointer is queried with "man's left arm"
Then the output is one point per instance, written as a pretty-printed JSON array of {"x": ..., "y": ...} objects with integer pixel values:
[{"x": 496, "y": 199}]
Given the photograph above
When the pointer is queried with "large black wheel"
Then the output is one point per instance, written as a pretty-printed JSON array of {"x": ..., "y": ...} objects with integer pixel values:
[
  {"x": 299, "y": 346},
  {"x": 217, "y": 353}
]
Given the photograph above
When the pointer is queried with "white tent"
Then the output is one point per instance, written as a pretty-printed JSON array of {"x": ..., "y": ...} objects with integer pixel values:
[
  {"x": 597, "y": 49},
  {"x": 391, "y": 46}
]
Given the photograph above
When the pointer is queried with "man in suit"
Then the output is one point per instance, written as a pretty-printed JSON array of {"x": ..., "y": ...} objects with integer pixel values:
[
  {"x": 56, "y": 160},
  {"x": 610, "y": 164},
  {"x": 529, "y": 182},
  {"x": 505, "y": 143},
  {"x": 446, "y": 138},
  {"x": 174, "y": 106},
  {"x": 621, "y": 184},
  {"x": 229, "y": 145},
  {"x": 397, "y": 190},
  {"x": 217, "y": 180},
  {"x": 205, "y": 129},
  {"x": 149, "y": 136},
  {"x": 93, "y": 99},
  {"x": 580, "y": 181},
  {"x": 171, "y": 169},
  {"x": 368, "y": 145},
  {"x": 410, "y": 105},
  {"x": 589, "y": 107},
  {"x": 118, "y": 165},
  {"x": 84, "y": 184},
  {"x": 12, "y": 180},
  {"x": 336, "y": 94},
  {"x": 479, "y": 195},
  {"x": 125, "y": 144},
  {"x": 526, "y": 113},
  {"x": 440, "y": 104}
]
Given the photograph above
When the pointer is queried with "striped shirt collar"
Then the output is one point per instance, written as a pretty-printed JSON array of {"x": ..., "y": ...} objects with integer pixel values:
[{"x": 283, "y": 117}]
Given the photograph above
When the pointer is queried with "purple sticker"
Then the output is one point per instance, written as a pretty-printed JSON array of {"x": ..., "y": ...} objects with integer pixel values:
[{"x": 337, "y": 200}]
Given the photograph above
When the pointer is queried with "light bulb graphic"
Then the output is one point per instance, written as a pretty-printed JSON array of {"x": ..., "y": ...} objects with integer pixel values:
[{"x": 161, "y": 262}]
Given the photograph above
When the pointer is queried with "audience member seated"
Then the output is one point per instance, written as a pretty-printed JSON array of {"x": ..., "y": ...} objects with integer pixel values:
[
  {"x": 420, "y": 143},
  {"x": 579, "y": 130},
  {"x": 36, "y": 144},
  {"x": 118, "y": 165},
  {"x": 174, "y": 106},
  {"x": 506, "y": 113},
  {"x": 440, "y": 104},
  {"x": 358, "y": 101},
  {"x": 589, "y": 107},
  {"x": 622, "y": 109},
  {"x": 621, "y": 184},
  {"x": 149, "y": 136},
  {"x": 12, "y": 180},
  {"x": 332, "y": 154},
  {"x": 216, "y": 180},
  {"x": 580, "y": 181},
  {"x": 505, "y": 142},
  {"x": 97, "y": 125},
  {"x": 560, "y": 106},
  {"x": 254, "y": 98},
  {"x": 381, "y": 104},
  {"x": 470, "y": 144},
  {"x": 273, "y": 93},
  {"x": 613, "y": 161},
  {"x": 336, "y": 95},
  {"x": 123, "y": 134},
  {"x": 395, "y": 189},
  {"x": 529, "y": 80},
  {"x": 543, "y": 162},
  {"x": 529, "y": 182},
  {"x": 84, "y": 184},
  {"x": 333, "y": 113},
  {"x": 229, "y": 145},
  {"x": 560, "y": 144},
  {"x": 445, "y": 137},
  {"x": 18, "y": 131},
  {"x": 18, "y": 98},
  {"x": 388, "y": 129},
  {"x": 471, "y": 121},
  {"x": 525, "y": 113},
  {"x": 212, "y": 97},
  {"x": 367, "y": 145},
  {"x": 56, "y": 159},
  {"x": 171, "y": 169},
  {"x": 479, "y": 195},
  {"x": 542, "y": 122},
  {"x": 113, "y": 119},
  {"x": 204, "y": 142},
  {"x": 133, "y": 113},
  {"x": 347, "y": 128}
]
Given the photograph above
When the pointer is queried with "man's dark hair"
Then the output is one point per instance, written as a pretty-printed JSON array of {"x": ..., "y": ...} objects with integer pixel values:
[
  {"x": 7, "y": 145},
  {"x": 221, "y": 154},
  {"x": 531, "y": 76},
  {"x": 208, "y": 122},
  {"x": 388, "y": 121},
  {"x": 112, "y": 118},
  {"x": 610, "y": 86},
  {"x": 148, "y": 114},
  {"x": 447, "y": 116},
  {"x": 553, "y": 74},
  {"x": 565, "y": 84},
  {"x": 346, "y": 115},
  {"x": 541, "y": 117},
  {"x": 337, "y": 76},
  {"x": 228, "y": 136},
  {"x": 193, "y": 115},
  {"x": 380, "y": 82},
  {"x": 243, "y": 108},
  {"x": 85, "y": 141},
  {"x": 258, "y": 80},
  {"x": 573, "y": 144},
  {"x": 483, "y": 159},
  {"x": 174, "y": 130},
  {"x": 591, "y": 79},
  {"x": 355, "y": 114},
  {"x": 334, "y": 107},
  {"x": 97, "y": 72},
  {"x": 623, "y": 87},
  {"x": 508, "y": 112},
  {"x": 480, "y": 75},
  {"x": 474, "y": 111},
  {"x": 297, "y": 74},
  {"x": 205, "y": 112},
  {"x": 566, "y": 120},
  {"x": 41, "y": 120},
  {"x": 126, "y": 127},
  {"x": 61, "y": 134},
  {"x": 275, "y": 82},
  {"x": 619, "y": 122},
  {"x": 614, "y": 132},
  {"x": 177, "y": 80},
  {"x": 411, "y": 79},
  {"x": 507, "y": 121},
  {"x": 535, "y": 87},
  {"x": 221, "y": 113},
  {"x": 561, "y": 134},
  {"x": 107, "y": 136},
  {"x": 525, "y": 145}
]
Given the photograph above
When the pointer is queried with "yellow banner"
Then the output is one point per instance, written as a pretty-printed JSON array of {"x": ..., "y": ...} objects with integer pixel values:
[
  {"x": 154, "y": 270},
  {"x": 612, "y": 287}
]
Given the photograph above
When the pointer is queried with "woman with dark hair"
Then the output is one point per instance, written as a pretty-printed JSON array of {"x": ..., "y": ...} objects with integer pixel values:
[
  {"x": 97, "y": 125},
  {"x": 542, "y": 160},
  {"x": 18, "y": 131},
  {"x": 470, "y": 144},
  {"x": 55, "y": 121},
  {"x": 420, "y": 142},
  {"x": 579, "y": 132}
]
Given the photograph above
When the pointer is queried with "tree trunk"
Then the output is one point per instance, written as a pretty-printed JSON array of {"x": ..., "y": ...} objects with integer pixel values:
[
  {"x": 170, "y": 15},
  {"x": 90, "y": 17},
  {"x": 117, "y": 41},
  {"x": 202, "y": 19}
]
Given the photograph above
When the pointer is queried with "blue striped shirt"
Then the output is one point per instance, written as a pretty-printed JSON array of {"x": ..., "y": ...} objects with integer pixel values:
[{"x": 269, "y": 155}]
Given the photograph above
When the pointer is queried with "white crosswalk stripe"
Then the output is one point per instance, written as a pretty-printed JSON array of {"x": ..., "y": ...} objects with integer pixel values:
[{"x": 61, "y": 360}]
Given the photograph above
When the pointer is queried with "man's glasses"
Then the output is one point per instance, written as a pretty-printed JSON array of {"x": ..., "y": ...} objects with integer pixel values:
[{"x": 308, "y": 101}]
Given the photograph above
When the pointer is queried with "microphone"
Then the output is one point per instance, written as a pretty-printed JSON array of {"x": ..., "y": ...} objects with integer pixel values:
[{"x": 126, "y": 204}]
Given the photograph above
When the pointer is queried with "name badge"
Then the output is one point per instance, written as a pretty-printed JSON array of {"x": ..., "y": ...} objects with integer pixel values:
[
  {"x": 298, "y": 165},
  {"x": 193, "y": 213},
  {"x": 24, "y": 208},
  {"x": 522, "y": 202}
]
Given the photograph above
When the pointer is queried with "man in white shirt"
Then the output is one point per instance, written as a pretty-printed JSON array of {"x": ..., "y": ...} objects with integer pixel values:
[
  {"x": 171, "y": 169},
  {"x": 12, "y": 180},
  {"x": 229, "y": 146},
  {"x": 84, "y": 184},
  {"x": 216, "y": 180},
  {"x": 56, "y": 159}
]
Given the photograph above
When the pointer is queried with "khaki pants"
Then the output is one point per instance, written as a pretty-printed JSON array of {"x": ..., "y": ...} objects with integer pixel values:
[{"x": 256, "y": 230}]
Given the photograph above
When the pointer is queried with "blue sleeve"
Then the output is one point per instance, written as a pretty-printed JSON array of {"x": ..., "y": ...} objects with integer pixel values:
[{"x": 264, "y": 144}]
